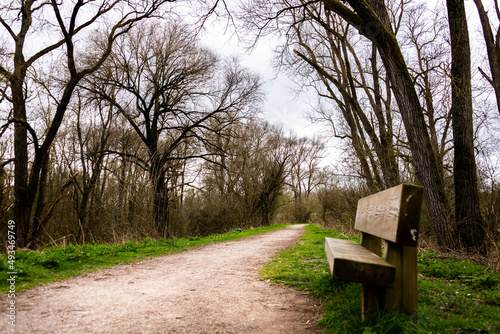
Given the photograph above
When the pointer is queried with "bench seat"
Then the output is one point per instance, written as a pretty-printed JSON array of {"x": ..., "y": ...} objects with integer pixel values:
[{"x": 350, "y": 261}]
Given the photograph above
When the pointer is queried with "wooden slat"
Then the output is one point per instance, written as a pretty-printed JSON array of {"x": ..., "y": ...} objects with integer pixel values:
[
  {"x": 392, "y": 214},
  {"x": 350, "y": 261},
  {"x": 372, "y": 243}
]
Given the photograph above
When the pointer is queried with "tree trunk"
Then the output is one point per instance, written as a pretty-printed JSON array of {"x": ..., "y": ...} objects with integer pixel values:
[
  {"x": 35, "y": 233},
  {"x": 26, "y": 188},
  {"x": 161, "y": 209},
  {"x": 22, "y": 198},
  {"x": 467, "y": 209},
  {"x": 3, "y": 182},
  {"x": 82, "y": 213}
]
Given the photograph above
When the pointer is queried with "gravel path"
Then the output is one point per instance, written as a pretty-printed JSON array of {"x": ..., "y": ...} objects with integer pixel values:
[{"x": 212, "y": 289}]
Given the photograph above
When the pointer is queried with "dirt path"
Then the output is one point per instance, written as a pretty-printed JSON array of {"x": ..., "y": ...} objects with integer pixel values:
[{"x": 212, "y": 289}]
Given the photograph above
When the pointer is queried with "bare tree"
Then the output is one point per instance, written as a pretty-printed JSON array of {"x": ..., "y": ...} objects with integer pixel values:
[
  {"x": 92, "y": 142},
  {"x": 251, "y": 174},
  {"x": 172, "y": 92},
  {"x": 304, "y": 166},
  {"x": 305, "y": 174}
]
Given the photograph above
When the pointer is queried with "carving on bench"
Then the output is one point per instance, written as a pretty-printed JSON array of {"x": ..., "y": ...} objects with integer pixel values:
[{"x": 389, "y": 282}]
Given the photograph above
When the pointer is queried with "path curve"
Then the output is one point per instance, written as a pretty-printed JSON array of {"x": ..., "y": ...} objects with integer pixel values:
[{"x": 211, "y": 289}]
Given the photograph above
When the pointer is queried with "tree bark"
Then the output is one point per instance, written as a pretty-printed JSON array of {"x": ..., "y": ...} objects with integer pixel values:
[
  {"x": 21, "y": 192},
  {"x": 161, "y": 211},
  {"x": 36, "y": 230},
  {"x": 467, "y": 209},
  {"x": 22, "y": 197},
  {"x": 3, "y": 179}
]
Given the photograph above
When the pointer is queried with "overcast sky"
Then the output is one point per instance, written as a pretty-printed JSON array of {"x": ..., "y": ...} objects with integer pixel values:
[{"x": 282, "y": 105}]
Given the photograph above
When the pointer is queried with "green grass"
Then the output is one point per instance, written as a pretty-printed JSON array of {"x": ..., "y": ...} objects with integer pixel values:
[
  {"x": 56, "y": 263},
  {"x": 454, "y": 296}
]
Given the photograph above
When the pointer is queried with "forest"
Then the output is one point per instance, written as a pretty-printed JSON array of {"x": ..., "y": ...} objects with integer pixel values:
[{"x": 117, "y": 123}]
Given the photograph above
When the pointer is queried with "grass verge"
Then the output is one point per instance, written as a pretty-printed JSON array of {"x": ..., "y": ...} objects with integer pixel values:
[
  {"x": 454, "y": 296},
  {"x": 56, "y": 263}
]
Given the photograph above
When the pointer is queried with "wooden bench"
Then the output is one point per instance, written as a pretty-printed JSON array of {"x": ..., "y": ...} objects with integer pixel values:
[{"x": 389, "y": 281}]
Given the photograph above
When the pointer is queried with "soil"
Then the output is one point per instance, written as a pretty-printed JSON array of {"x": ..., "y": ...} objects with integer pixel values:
[{"x": 212, "y": 289}]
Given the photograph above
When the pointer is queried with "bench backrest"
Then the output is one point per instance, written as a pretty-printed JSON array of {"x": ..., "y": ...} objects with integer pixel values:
[{"x": 392, "y": 214}]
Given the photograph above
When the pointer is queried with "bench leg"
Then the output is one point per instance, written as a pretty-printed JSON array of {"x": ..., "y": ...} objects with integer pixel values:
[
  {"x": 372, "y": 300},
  {"x": 404, "y": 294},
  {"x": 373, "y": 295}
]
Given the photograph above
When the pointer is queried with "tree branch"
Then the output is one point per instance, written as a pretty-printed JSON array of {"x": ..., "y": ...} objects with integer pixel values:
[{"x": 486, "y": 76}]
